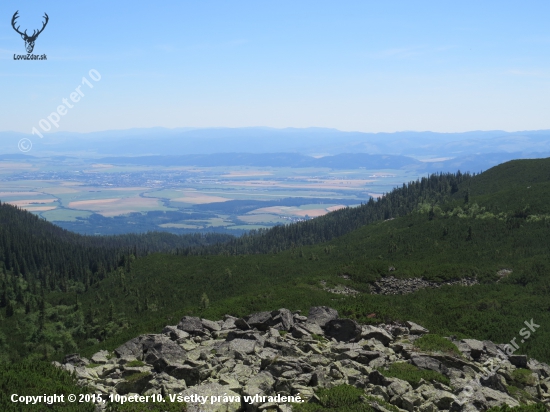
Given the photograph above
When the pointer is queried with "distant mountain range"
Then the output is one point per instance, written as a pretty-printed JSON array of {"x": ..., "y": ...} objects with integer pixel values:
[
  {"x": 310, "y": 141},
  {"x": 470, "y": 163}
]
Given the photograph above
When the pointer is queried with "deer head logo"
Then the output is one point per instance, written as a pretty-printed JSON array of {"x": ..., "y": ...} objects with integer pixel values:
[{"x": 29, "y": 40}]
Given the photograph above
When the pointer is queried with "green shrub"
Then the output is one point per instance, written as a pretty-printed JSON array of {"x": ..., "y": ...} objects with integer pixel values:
[
  {"x": 92, "y": 365},
  {"x": 35, "y": 377},
  {"x": 137, "y": 376},
  {"x": 524, "y": 377},
  {"x": 412, "y": 374},
  {"x": 519, "y": 394},
  {"x": 436, "y": 343},
  {"x": 147, "y": 407},
  {"x": 343, "y": 398},
  {"x": 340, "y": 398},
  {"x": 382, "y": 403},
  {"x": 522, "y": 408}
]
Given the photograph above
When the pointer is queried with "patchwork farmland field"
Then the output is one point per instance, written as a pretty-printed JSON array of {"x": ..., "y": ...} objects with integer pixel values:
[{"x": 120, "y": 199}]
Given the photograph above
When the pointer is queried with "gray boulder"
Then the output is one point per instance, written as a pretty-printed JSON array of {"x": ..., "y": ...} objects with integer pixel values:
[
  {"x": 222, "y": 393},
  {"x": 174, "y": 333},
  {"x": 426, "y": 362},
  {"x": 244, "y": 346},
  {"x": 228, "y": 322},
  {"x": 495, "y": 381},
  {"x": 343, "y": 329},
  {"x": 299, "y": 332},
  {"x": 519, "y": 361},
  {"x": 260, "y": 320},
  {"x": 496, "y": 398},
  {"x": 210, "y": 325},
  {"x": 541, "y": 369},
  {"x": 154, "y": 347},
  {"x": 312, "y": 328},
  {"x": 372, "y": 332},
  {"x": 133, "y": 385},
  {"x": 101, "y": 357},
  {"x": 190, "y": 374},
  {"x": 282, "y": 319},
  {"x": 416, "y": 329},
  {"x": 131, "y": 349},
  {"x": 474, "y": 347},
  {"x": 191, "y": 324},
  {"x": 76, "y": 360},
  {"x": 321, "y": 315},
  {"x": 242, "y": 324}
]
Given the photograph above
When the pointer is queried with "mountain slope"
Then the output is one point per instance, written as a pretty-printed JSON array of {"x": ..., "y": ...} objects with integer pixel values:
[{"x": 445, "y": 237}]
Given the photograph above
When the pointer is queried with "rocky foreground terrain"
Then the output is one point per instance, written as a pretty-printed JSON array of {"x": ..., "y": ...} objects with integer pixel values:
[{"x": 282, "y": 352}]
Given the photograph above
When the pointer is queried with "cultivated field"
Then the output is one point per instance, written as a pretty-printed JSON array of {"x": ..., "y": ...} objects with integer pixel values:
[{"x": 188, "y": 198}]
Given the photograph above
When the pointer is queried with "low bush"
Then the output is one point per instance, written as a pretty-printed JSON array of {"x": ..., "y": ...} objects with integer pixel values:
[
  {"x": 524, "y": 377},
  {"x": 436, "y": 343},
  {"x": 137, "y": 376},
  {"x": 340, "y": 398},
  {"x": 522, "y": 408},
  {"x": 412, "y": 374}
]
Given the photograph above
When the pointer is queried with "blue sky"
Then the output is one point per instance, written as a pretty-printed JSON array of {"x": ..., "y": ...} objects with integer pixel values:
[{"x": 373, "y": 66}]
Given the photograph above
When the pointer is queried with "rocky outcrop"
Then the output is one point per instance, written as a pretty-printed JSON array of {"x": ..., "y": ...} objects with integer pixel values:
[
  {"x": 393, "y": 286},
  {"x": 250, "y": 363}
]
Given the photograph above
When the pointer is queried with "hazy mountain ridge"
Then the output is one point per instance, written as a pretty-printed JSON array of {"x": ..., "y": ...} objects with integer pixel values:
[
  {"x": 316, "y": 141},
  {"x": 466, "y": 163}
]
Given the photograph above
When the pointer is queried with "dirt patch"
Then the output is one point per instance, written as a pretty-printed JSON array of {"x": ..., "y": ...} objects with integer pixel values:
[
  {"x": 290, "y": 210},
  {"x": 59, "y": 190},
  {"x": 12, "y": 194},
  {"x": 80, "y": 204},
  {"x": 311, "y": 212},
  {"x": 199, "y": 198},
  {"x": 38, "y": 208},
  {"x": 27, "y": 202},
  {"x": 117, "y": 206}
]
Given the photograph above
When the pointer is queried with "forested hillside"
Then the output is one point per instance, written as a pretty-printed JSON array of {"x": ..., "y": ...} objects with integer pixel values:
[
  {"x": 35, "y": 249},
  {"x": 492, "y": 229},
  {"x": 399, "y": 202}
]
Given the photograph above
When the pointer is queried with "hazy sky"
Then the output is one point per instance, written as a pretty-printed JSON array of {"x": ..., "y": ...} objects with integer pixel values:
[{"x": 353, "y": 65}]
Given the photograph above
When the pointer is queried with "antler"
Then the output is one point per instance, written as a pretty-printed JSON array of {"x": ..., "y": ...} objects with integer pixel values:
[
  {"x": 43, "y": 25},
  {"x": 15, "y": 16}
]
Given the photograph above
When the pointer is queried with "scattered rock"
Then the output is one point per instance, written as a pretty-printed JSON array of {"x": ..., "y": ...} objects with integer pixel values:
[
  {"x": 391, "y": 285},
  {"x": 245, "y": 357},
  {"x": 321, "y": 315},
  {"x": 416, "y": 329},
  {"x": 343, "y": 329}
]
